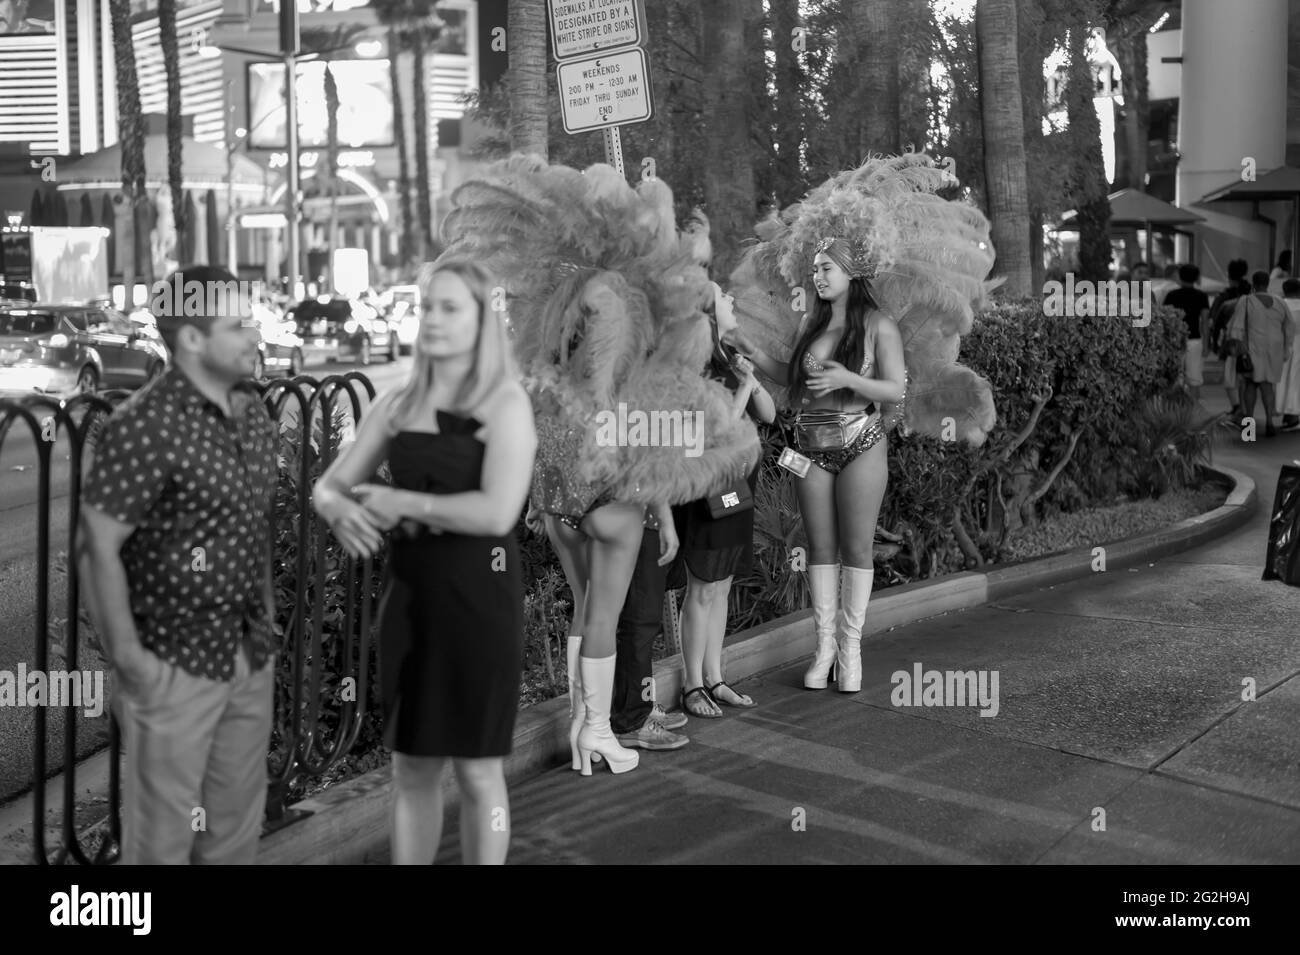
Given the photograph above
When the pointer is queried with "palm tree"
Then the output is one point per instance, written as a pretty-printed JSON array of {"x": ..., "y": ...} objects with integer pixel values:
[
  {"x": 729, "y": 174},
  {"x": 326, "y": 42},
  {"x": 170, "y": 41},
  {"x": 1004, "y": 141},
  {"x": 790, "y": 125},
  {"x": 423, "y": 201},
  {"x": 1089, "y": 178},
  {"x": 875, "y": 26},
  {"x": 131, "y": 135},
  {"x": 396, "y": 16},
  {"x": 527, "y": 77},
  {"x": 332, "y": 155}
]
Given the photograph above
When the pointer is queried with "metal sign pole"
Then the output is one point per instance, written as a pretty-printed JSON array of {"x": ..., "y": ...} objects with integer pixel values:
[{"x": 614, "y": 149}]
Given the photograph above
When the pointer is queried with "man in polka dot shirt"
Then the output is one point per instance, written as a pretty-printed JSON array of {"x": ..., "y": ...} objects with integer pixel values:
[{"x": 174, "y": 552}]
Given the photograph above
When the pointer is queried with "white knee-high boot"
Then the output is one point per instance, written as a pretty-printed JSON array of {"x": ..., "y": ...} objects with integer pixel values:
[
  {"x": 577, "y": 709},
  {"x": 855, "y": 594},
  {"x": 596, "y": 738},
  {"x": 824, "y": 583}
]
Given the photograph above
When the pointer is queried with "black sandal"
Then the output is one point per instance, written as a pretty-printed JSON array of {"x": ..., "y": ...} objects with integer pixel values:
[
  {"x": 687, "y": 694},
  {"x": 743, "y": 706}
]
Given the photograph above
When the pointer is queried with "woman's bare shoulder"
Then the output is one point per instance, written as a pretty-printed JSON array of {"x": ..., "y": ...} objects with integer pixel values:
[{"x": 505, "y": 402}]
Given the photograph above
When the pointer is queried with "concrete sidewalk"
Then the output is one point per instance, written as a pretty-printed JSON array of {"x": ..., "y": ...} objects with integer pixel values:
[{"x": 1121, "y": 735}]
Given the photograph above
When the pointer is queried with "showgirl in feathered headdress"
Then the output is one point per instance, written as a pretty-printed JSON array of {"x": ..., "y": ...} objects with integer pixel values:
[
  {"x": 606, "y": 302},
  {"x": 895, "y": 273}
]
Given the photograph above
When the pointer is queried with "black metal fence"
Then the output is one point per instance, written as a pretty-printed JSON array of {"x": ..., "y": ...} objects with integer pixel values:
[{"x": 325, "y": 603}]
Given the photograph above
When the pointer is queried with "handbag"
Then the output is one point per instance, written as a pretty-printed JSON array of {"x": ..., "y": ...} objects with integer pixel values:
[
  {"x": 823, "y": 430},
  {"x": 1282, "y": 556},
  {"x": 734, "y": 500}
]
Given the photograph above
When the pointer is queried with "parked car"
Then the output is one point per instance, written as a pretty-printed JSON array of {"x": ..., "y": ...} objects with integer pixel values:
[
  {"x": 16, "y": 293},
  {"x": 68, "y": 349},
  {"x": 340, "y": 329},
  {"x": 280, "y": 349}
]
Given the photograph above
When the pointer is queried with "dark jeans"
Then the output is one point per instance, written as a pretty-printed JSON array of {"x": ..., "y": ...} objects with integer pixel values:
[{"x": 638, "y": 625}]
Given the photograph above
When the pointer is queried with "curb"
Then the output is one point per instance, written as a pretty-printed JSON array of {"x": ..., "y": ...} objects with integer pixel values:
[{"x": 348, "y": 823}]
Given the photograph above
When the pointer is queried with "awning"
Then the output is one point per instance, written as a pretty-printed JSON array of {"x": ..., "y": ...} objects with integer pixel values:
[
  {"x": 203, "y": 167},
  {"x": 1135, "y": 209},
  {"x": 1281, "y": 183}
]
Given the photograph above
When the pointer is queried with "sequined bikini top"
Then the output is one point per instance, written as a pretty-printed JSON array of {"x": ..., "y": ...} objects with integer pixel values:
[{"x": 811, "y": 363}]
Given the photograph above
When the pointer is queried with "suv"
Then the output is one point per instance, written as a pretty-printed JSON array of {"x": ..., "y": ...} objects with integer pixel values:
[
  {"x": 68, "y": 349},
  {"x": 340, "y": 329}
]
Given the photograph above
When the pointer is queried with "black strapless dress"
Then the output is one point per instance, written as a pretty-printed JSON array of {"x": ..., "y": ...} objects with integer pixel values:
[{"x": 452, "y": 617}]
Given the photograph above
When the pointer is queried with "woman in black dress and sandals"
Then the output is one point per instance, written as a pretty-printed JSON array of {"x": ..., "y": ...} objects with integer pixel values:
[
  {"x": 460, "y": 441},
  {"x": 717, "y": 550}
]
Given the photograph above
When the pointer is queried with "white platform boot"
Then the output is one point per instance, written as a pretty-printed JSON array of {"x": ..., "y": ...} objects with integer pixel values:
[
  {"x": 596, "y": 739},
  {"x": 577, "y": 709},
  {"x": 824, "y": 583},
  {"x": 855, "y": 594}
]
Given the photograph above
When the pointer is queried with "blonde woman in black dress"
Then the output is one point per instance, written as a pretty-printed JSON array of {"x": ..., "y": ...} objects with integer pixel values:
[{"x": 460, "y": 442}]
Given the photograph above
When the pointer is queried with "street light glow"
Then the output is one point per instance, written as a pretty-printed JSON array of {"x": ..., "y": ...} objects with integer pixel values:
[
  {"x": 369, "y": 48},
  {"x": 209, "y": 52}
]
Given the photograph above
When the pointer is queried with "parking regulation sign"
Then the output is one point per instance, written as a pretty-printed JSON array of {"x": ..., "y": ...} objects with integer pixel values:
[
  {"x": 609, "y": 89},
  {"x": 579, "y": 27}
]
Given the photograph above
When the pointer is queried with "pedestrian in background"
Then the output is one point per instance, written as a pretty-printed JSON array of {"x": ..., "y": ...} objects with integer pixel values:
[
  {"x": 1289, "y": 393},
  {"x": 1261, "y": 328},
  {"x": 1220, "y": 313},
  {"x": 1281, "y": 272},
  {"x": 1194, "y": 306},
  {"x": 174, "y": 554}
]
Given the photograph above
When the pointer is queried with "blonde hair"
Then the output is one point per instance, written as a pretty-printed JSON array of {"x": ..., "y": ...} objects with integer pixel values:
[{"x": 494, "y": 363}]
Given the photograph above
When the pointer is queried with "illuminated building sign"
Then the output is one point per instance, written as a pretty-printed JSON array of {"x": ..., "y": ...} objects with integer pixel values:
[{"x": 348, "y": 159}]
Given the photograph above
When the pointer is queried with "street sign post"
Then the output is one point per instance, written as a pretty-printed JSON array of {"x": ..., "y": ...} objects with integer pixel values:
[{"x": 601, "y": 70}]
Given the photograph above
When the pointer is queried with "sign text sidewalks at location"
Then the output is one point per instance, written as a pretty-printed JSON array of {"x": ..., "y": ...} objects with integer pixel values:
[{"x": 579, "y": 27}]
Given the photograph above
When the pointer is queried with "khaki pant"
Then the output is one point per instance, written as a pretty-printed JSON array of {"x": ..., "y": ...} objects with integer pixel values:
[{"x": 194, "y": 773}]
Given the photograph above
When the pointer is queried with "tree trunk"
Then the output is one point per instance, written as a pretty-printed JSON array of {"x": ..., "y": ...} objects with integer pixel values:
[
  {"x": 729, "y": 176},
  {"x": 788, "y": 174},
  {"x": 407, "y": 240},
  {"x": 1033, "y": 94},
  {"x": 1004, "y": 142},
  {"x": 875, "y": 27},
  {"x": 1092, "y": 208},
  {"x": 332, "y": 161},
  {"x": 526, "y": 78},
  {"x": 916, "y": 23},
  {"x": 170, "y": 42},
  {"x": 1131, "y": 164},
  {"x": 131, "y": 135},
  {"x": 423, "y": 204}
]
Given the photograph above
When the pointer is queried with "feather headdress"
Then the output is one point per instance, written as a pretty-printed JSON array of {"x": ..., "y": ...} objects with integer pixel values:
[
  {"x": 930, "y": 258},
  {"x": 605, "y": 301}
]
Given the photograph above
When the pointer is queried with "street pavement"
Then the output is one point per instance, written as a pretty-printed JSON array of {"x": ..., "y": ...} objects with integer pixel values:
[{"x": 1121, "y": 735}]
